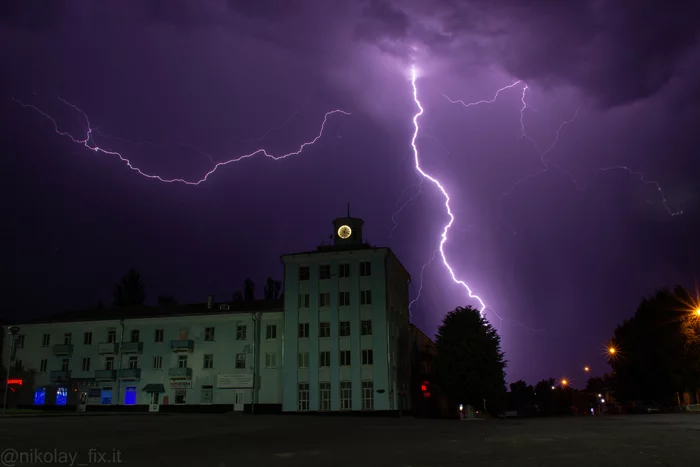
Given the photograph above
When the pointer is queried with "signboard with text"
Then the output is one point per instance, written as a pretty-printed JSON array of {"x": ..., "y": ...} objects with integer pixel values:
[
  {"x": 180, "y": 384},
  {"x": 234, "y": 380}
]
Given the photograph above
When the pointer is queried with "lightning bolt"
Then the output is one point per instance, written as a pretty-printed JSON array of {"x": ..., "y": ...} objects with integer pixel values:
[
  {"x": 436, "y": 182},
  {"x": 89, "y": 143},
  {"x": 401, "y": 207},
  {"x": 654, "y": 183}
]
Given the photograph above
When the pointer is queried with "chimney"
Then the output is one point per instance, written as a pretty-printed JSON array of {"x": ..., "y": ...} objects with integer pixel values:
[{"x": 210, "y": 301}]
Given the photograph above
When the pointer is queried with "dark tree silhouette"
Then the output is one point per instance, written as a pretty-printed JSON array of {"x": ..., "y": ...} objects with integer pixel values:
[
  {"x": 522, "y": 397},
  {"x": 167, "y": 300},
  {"x": 131, "y": 291},
  {"x": 658, "y": 354},
  {"x": 237, "y": 296},
  {"x": 272, "y": 289},
  {"x": 248, "y": 290},
  {"x": 469, "y": 364}
]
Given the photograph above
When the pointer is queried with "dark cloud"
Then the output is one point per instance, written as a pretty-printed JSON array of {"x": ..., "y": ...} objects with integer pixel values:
[
  {"x": 617, "y": 52},
  {"x": 33, "y": 14}
]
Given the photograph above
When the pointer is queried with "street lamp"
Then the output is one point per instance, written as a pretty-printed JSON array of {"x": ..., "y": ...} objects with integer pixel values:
[
  {"x": 697, "y": 312},
  {"x": 12, "y": 332},
  {"x": 612, "y": 350},
  {"x": 564, "y": 382},
  {"x": 586, "y": 369}
]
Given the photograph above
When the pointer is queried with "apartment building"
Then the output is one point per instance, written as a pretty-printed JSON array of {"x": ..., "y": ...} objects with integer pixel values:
[{"x": 213, "y": 354}]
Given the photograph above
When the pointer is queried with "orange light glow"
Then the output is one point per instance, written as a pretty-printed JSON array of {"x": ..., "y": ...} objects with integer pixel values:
[
  {"x": 612, "y": 350},
  {"x": 586, "y": 369},
  {"x": 564, "y": 382},
  {"x": 697, "y": 312}
]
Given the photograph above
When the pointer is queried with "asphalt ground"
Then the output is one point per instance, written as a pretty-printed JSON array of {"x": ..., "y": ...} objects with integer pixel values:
[{"x": 309, "y": 441}]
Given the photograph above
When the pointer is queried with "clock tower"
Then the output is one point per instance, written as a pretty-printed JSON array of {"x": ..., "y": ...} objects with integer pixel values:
[{"x": 347, "y": 231}]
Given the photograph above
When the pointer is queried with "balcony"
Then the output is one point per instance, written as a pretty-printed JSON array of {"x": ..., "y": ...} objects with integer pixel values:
[
  {"x": 107, "y": 348},
  {"x": 129, "y": 373},
  {"x": 105, "y": 375},
  {"x": 60, "y": 376},
  {"x": 182, "y": 345},
  {"x": 63, "y": 349},
  {"x": 180, "y": 373},
  {"x": 132, "y": 347}
]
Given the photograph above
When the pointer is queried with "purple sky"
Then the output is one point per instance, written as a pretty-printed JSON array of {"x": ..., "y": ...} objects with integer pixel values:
[{"x": 569, "y": 259}]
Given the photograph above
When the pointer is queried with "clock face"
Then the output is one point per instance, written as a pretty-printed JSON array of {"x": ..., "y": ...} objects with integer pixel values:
[{"x": 344, "y": 231}]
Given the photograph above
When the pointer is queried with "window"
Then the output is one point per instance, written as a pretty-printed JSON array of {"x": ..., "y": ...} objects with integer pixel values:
[
  {"x": 19, "y": 341},
  {"x": 344, "y": 358},
  {"x": 86, "y": 364},
  {"x": 208, "y": 361},
  {"x": 324, "y": 358},
  {"x": 40, "y": 396},
  {"x": 87, "y": 338},
  {"x": 241, "y": 332},
  {"x": 46, "y": 340},
  {"x": 271, "y": 360},
  {"x": 345, "y": 395},
  {"x": 61, "y": 396},
  {"x": 130, "y": 396},
  {"x": 159, "y": 335},
  {"x": 303, "y": 330},
  {"x": 303, "y": 300},
  {"x": 303, "y": 359},
  {"x": 183, "y": 334},
  {"x": 367, "y": 357},
  {"x": 365, "y": 297},
  {"x": 18, "y": 366},
  {"x": 324, "y": 271},
  {"x": 303, "y": 397},
  {"x": 366, "y": 327},
  {"x": 106, "y": 396},
  {"x": 303, "y": 273},
  {"x": 135, "y": 335},
  {"x": 344, "y": 328},
  {"x": 43, "y": 364},
  {"x": 367, "y": 395},
  {"x": 182, "y": 361},
  {"x": 365, "y": 268},
  {"x": 324, "y": 299},
  {"x": 209, "y": 334},
  {"x": 240, "y": 361},
  {"x": 157, "y": 363},
  {"x": 324, "y": 329},
  {"x": 111, "y": 336},
  {"x": 67, "y": 338},
  {"x": 343, "y": 270},
  {"x": 271, "y": 331},
  {"x": 64, "y": 364},
  {"x": 181, "y": 396},
  {"x": 109, "y": 363},
  {"x": 133, "y": 363},
  {"x": 324, "y": 391},
  {"x": 344, "y": 299}
]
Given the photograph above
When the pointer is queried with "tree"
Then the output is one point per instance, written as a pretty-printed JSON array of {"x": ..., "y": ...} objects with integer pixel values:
[
  {"x": 237, "y": 296},
  {"x": 248, "y": 290},
  {"x": 131, "y": 291},
  {"x": 272, "y": 289},
  {"x": 469, "y": 364},
  {"x": 545, "y": 397},
  {"x": 657, "y": 350},
  {"x": 522, "y": 396}
]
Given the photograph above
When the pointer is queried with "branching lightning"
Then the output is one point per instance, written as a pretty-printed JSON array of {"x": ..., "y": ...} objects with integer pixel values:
[
  {"x": 436, "y": 182},
  {"x": 402, "y": 206},
  {"x": 90, "y": 144}
]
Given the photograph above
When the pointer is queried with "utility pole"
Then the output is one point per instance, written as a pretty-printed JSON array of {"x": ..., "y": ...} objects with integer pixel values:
[{"x": 13, "y": 332}]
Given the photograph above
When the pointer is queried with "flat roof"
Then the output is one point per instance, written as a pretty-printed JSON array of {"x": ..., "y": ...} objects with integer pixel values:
[{"x": 141, "y": 312}]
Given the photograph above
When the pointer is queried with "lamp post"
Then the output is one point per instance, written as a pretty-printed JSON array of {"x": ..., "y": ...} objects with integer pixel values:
[{"x": 13, "y": 332}]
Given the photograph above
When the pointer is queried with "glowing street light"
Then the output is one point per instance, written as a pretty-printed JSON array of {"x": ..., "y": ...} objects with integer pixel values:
[
  {"x": 697, "y": 312},
  {"x": 564, "y": 382},
  {"x": 586, "y": 369},
  {"x": 612, "y": 350}
]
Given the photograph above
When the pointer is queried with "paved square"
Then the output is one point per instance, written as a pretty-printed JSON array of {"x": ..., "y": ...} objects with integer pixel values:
[{"x": 228, "y": 441}]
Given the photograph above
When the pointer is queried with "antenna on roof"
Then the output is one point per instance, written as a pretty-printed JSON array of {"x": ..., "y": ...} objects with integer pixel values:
[{"x": 348, "y": 209}]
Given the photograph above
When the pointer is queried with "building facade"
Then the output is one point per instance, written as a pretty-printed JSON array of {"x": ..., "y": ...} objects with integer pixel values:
[
  {"x": 226, "y": 355},
  {"x": 339, "y": 340},
  {"x": 346, "y": 344}
]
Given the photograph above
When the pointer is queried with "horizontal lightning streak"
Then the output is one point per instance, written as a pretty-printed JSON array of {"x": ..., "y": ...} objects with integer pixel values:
[
  {"x": 641, "y": 177},
  {"x": 90, "y": 144}
]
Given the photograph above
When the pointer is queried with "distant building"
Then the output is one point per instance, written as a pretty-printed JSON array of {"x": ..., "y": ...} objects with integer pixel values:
[{"x": 340, "y": 341}]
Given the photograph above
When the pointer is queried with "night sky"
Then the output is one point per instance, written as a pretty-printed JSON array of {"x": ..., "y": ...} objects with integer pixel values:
[{"x": 177, "y": 86}]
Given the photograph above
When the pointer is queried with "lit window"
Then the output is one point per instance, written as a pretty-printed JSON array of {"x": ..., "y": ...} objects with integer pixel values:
[
  {"x": 40, "y": 396},
  {"x": 61, "y": 396}
]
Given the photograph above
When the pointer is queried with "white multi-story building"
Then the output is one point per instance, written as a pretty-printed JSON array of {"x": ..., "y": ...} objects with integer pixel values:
[
  {"x": 226, "y": 354},
  {"x": 338, "y": 341}
]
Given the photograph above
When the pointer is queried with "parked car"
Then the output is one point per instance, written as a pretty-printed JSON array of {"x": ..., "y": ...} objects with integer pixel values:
[{"x": 646, "y": 407}]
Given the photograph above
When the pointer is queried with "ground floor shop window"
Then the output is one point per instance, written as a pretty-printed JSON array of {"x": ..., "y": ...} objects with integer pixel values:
[
  {"x": 106, "y": 397},
  {"x": 303, "y": 397},
  {"x": 40, "y": 396},
  {"x": 181, "y": 397},
  {"x": 61, "y": 396},
  {"x": 130, "y": 396}
]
